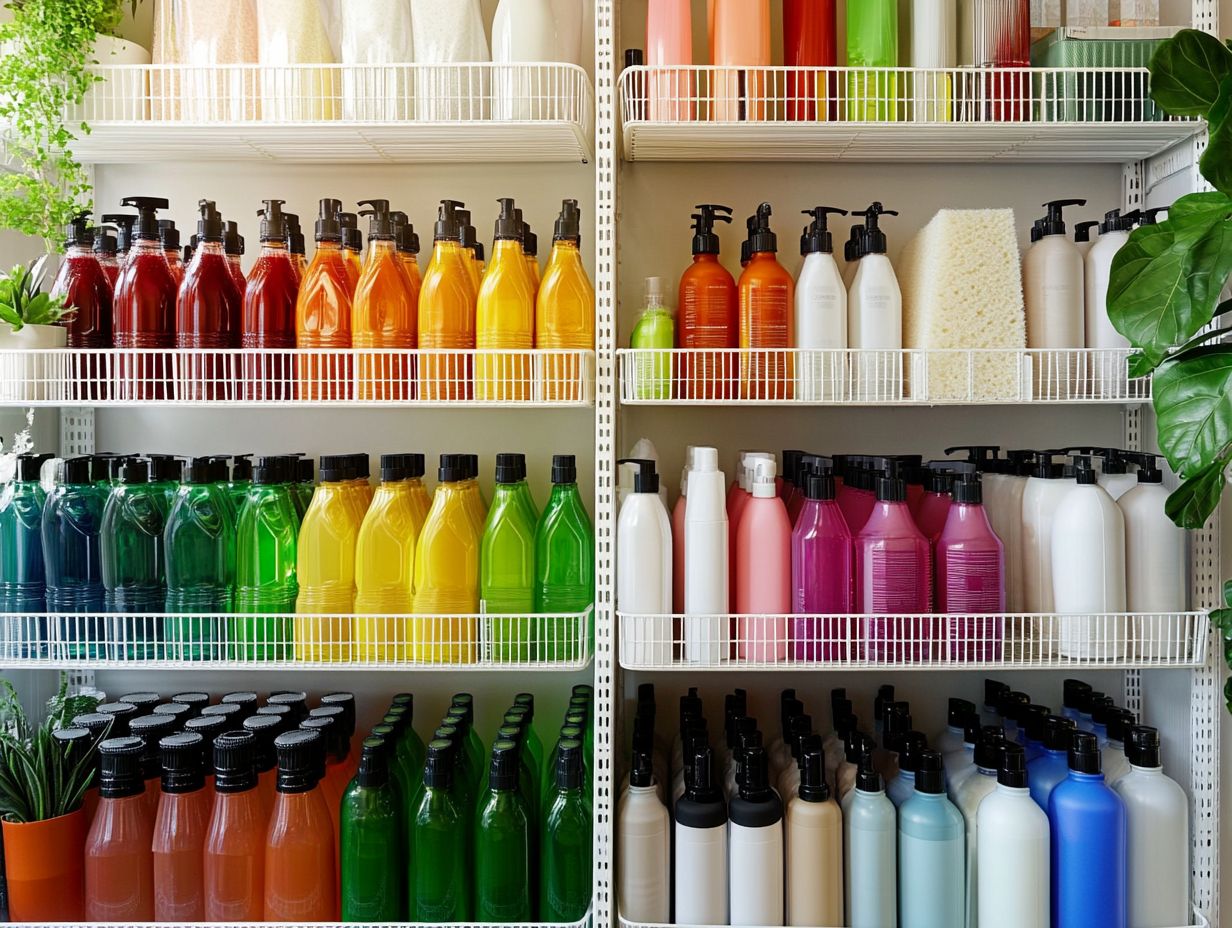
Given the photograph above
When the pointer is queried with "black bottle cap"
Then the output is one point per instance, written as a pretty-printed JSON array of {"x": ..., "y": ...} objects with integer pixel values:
[
  {"x": 328, "y": 225},
  {"x": 333, "y": 744},
  {"x": 265, "y": 728},
  {"x": 569, "y": 764},
  {"x": 634, "y": 58},
  {"x": 994, "y": 693},
  {"x": 122, "y": 772},
  {"x": 180, "y": 713},
  {"x": 856, "y": 745},
  {"x": 959, "y": 709},
  {"x": 209, "y": 726},
  {"x": 202, "y": 471},
  {"x": 705, "y": 241},
  {"x": 1082, "y": 230},
  {"x": 96, "y": 723},
  {"x": 569, "y": 222},
  {"x": 755, "y": 784},
  {"x": 279, "y": 712},
  {"x": 74, "y": 742},
  {"x": 891, "y": 489},
  {"x": 275, "y": 470},
  {"x": 305, "y": 471},
  {"x": 642, "y": 773},
  {"x": 145, "y": 702},
  {"x": 1073, "y": 691},
  {"x": 817, "y": 237},
  {"x": 300, "y": 760},
  {"x": 1084, "y": 756},
  {"x": 1054, "y": 223},
  {"x": 1012, "y": 704},
  {"x": 448, "y": 228},
  {"x": 121, "y": 713},
  {"x": 884, "y": 698},
  {"x": 503, "y": 771},
  {"x": 508, "y": 226},
  {"x": 210, "y": 226},
  {"x": 987, "y": 749},
  {"x": 29, "y": 466},
  {"x": 452, "y": 468},
  {"x": 820, "y": 486},
  {"x": 1115, "y": 221},
  {"x": 530, "y": 241},
  {"x": 145, "y": 226},
  {"x": 165, "y": 468},
  {"x": 645, "y": 480},
  {"x": 347, "y": 702},
  {"x": 296, "y": 701},
  {"x": 380, "y": 224},
  {"x": 1058, "y": 733},
  {"x": 234, "y": 768},
  {"x": 227, "y": 711},
  {"x": 1142, "y": 746},
  {"x": 438, "y": 767},
  {"x": 897, "y": 722},
  {"x": 77, "y": 232},
  {"x": 868, "y": 780},
  {"x": 510, "y": 468},
  {"x": 396, "y": 467},
  {"x": 105, "y": 243},
  {"x": 1012, "y": 766},
  {"x": 967, "y": 488},
  {"x": 930, "y": 773},
  {"x": 971, "y": 729},
  {"x": 1101, "y": 708},
  {"x": 373, "y": 762},
  {"x": 75, "y": 471},
  {"x": 813, "y": 777},
  {"x": 761, "y": 239},
  {"x": 169, "y": 235},
  {"x": 564, "y": 469},
  {"x": 1120, "y": 721},
  {"x": 1033, "y": 720},
  {"x": 135, "y": 472},
  {"x": 182, "y": 762},
  {"x": 151, "y": 729},
  {"x": 195, "y": 701},
  {"x": 910, "y": 746}
]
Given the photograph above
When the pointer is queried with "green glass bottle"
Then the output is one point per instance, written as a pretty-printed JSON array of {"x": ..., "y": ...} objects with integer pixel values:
[
  {"x": 474, "y": 747},
  {"x": 410, "y": 760},
  {"x": 464, "y": 789},
  {"x": 565, "y": 875},
  {"x": 404, "y": 782},
  {"x": 439, "y": 877},
  {"x": 569, "y": 732},
  {"x": 528, "y": 782},
  {"x": 133, "y": 561},
  {"x": 523, "y": 714},
  {"x": 502, "y": 844},
  {"x": 265, "y": 564},
  {"x": 166, "y": 471},
  {"x": 371, "y": 844},
  {"x": 410, "y": 745},
  {"x": 507, "y": 562},
  {"x": 564, "y": 563}
]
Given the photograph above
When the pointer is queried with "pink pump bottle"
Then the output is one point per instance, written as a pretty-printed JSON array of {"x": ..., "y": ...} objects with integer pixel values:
[
  {"x": 893, "y": 576},
  {"x": 971, "y": 575},
  {"x": 856, "y": 497},
  {"x": 763, "y": 571},
  {"x": 934, "y": 504},
  {"x": 821, "y": 573}
]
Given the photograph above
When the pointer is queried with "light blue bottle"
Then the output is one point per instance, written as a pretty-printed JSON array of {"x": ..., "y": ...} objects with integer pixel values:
[
  {"x": 931, "y": 852},
  {"x": 869, "y": 834},
  {"x": 1089, "y": 850},
  {"x": 1101, "y": 707},
  {"x": 910, "y": 745},
  {"x": 1052, "y": 766}
]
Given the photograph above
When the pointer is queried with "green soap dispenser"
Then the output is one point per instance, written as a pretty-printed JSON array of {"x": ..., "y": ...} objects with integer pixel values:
[
  {"x": 655, "y": 328},
  {"x": 507, "y": 562},
  {"x": 372, "y": 846},
  {"x": 502, "y": 844}
]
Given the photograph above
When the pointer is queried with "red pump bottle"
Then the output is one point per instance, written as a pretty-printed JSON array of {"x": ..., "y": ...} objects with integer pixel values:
[
  {"x": 105, "y": 252},
  {"x": 208, "y": 313},
  {"x": 144, "y": 307},
  {"x": 84, "y": 284},
  {"x": 269, "y": 312},
  {"x": 709, "y": 314}
]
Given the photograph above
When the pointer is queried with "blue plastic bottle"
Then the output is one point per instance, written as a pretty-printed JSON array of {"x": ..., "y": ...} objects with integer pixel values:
[
  {"x": 1075, "y": 694},
  {"x": 901, "y": 788},
  {"x": 72, "y": 520},
  {"x": 1052, "y": 766},
  {"x": 1031, "y": 725},
  {"x": 23, "y": 584},
  {"x": 931, "y": 852},
  {"x": 1089, "y": 850},
  {"x": 1101, "y": 707},
  {"x": 871, "y": 887}
]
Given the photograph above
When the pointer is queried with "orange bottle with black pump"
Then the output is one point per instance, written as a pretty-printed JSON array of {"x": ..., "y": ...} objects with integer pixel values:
[
  {"x": 119, "y": 860},
  {"x": 564, "y": 308},
  {"x": 767, "y": 305},
  {"x": 446, "y": 312},
  {"x": 235, "y": 841},
  {"x": 505, "y": 315},
  {"x": 408, "y": 248},
  {"x": 383, "y": 314},
  {"x": 708, "y": 314},
  {"x": 184, "y": 811},
  {"x": 352, "y": 247},
  {"x": 323, "y": 313}
]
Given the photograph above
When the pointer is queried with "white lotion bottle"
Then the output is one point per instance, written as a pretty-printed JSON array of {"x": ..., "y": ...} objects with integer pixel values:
[
  {"x": 821, "y": 313},
  {"x": 1155, "y": 576},
  {"x": 644, "y": 570},
  {"x": 642, "y": 841},
  {"x": 1013, "y": 863},
  {"x": 814, "y": 841},
  {"x": 875, "y": 314},
  {"x": 1052, "y": 283},
  {"x": 701, "y": 878},
  {"x": 1100, "y": 333},
  {"x": 1083, "y": 239},
  {"x": 1088, "y": 569},
  {"x": 870, "y": 852},
  {"x": 1157, "y": 829},
  {"x": 756, "y": 884},
  {"x": 707, "y": 636},
  {"x": 1041, "y": 497}
]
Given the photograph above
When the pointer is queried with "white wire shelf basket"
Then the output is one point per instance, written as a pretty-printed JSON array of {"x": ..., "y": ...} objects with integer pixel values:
[
  {"x": 583, "y": 923},
  {"x": 296, "y": 377},
  {"x": 913, "y": 642},
  {"x": 1200, "y": 921},
  {"x": 702, "y": 113},
  {"x": 478, "y": 112},
  {"x": 904, "y": 377},
  {"x": 282, "y": 641}
]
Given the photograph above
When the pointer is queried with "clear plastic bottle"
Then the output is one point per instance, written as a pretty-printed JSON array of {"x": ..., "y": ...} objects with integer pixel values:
[
  {"x": 265, "y": 575},
  {"x": 300, "y": 858},
  {"x": 133, "y": 559},
  {"x": 118, "y": 850},
  {"x": 71, "y": 524},
  {"x": 970, "y": 565},
  {"x": 821, "y": 560},
  {"x": 383, "y": 315},
  {"x": 655, "y": 329},
  {"x": 564, "y": 561},
  {"x": 180, "y": 827},
  {"x": 323, "y": 313},
  {"x": 446, "y": 313},
  {"x": 209, "y": 313}
]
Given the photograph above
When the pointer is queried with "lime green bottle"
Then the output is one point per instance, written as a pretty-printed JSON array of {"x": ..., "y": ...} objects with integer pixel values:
[
  {"x": 439, "y": 877},
  {"x": 507, "y": 563},
  {"x": 371, "y": 845},
  {"x": 655, "y": 328},
  {"x": 502, "y": 844},
  {"x": 265, "y": 563},
  {"x": 564, "y": 563},
  {"x": 565, "y": 877},
  {"x": 872, "y": 42}
]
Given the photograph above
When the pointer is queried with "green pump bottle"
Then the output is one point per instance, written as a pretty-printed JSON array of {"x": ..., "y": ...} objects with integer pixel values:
[
  {"x": 564, "y": 562},
  {"x": 265, "y": 563},
  {"x": 565, "y": 875},
  {"x": 507, "y": 562},
  {"x": 372, "y": 844},
  {"x": 502, "y": 844},
  {"x": 439, "y": 880}
]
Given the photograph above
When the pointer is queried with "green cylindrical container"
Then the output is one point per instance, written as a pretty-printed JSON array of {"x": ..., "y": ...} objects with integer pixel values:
[
  {"x": 372, "y": 841},
  {"x": 439, "y": 878},
  {"x": 403, "y": 780},
  {"x": 523, "y": 715},
  {"x": 502, "y": 844},
  {"x": 474, "y": 747},
  {"x": 872, "y": 42},
  {"x": 265, "y": 563},
  {"x": 565, "y": 876},
  {"x": 463, "y": 782}
]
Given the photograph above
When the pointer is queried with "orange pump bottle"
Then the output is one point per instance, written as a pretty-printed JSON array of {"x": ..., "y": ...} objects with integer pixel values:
[
  {"x": 709, "y": 314},
  {"x": 446, "y": 312},
  {"x": 235, "y": 842},
  {"x": 767, "y": 305},
  {"x": 119, "y": 861},
  {"x": 383, "y": 314},
  {"x": 564, "y": 308},
  {"x": 408, "y": 248},
  {"x": 323, "y": 313},
  {"x": 184, "y": 810},
  {"x": 299, "y": 845},
  {"x": 352, "y": 248}
]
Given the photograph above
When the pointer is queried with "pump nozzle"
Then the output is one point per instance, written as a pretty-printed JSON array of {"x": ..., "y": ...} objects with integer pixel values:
[
  {"x": 145, "y": 226},
  {"x": 705, "y": 242},
  {"x": 446, "y": 228},
  {"x": 979, "y": 455},
  {"x": 1115, "y": 221},
  {"x": 1150, "y": 217},
  {"x": 874, "y": 240},
  {"x": 761, "y": 239},
  {"x": 329, "y": 221},
  {"x": 1149, "y": 470},
  {"x": 817, "y": 237},
  {"x": 78, "y": 231},
  {"x": 646, "y": 479},
  {"x": 509, "y": 222},
  {"x": 169, "y": 235},
  {"x": 123, "y": 228},
  {"x": 1054, "y": 223},
  {"x": 569, "y": 223},
  {"x": 380, "y": 227},
  {"x": 273, "y": 223},
  {"x": 1082, "y": 230}
]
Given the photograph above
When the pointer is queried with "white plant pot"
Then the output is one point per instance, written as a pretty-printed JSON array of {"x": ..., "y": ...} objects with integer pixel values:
[
  {"x": 28, "y": 372},
  {"x": 123, "y": 96}
]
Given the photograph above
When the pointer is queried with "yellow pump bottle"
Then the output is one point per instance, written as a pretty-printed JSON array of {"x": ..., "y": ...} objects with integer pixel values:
[
  {"x": 385, "y": 560},
  {"x": 446, "y": 573},
  {"x": 447, "y": 313},
  {"x": 383, "y": 314},
  {"x": 476, "y": 505},
  {"x": 530, "y": 249},
  {"x": 565, "y": 310},
  {"x": 505, "y": 316}
]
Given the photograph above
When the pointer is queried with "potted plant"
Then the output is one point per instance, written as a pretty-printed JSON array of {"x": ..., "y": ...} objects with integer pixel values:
[
  {"x": 42, "y": 815},
  {"x": 1168, "y": 284},
  {"x": 29, "y": 320}
]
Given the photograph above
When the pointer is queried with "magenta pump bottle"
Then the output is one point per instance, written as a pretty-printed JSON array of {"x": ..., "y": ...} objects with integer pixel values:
[
  {"x": 794, "y": 475},
  {"x": 971, "y": 575},
  {"x": 857, "y": 497},
  {"x": 893, "y": 576},
  {"x": 821, "y": 573},
  {"x": 935, "y": 503}
]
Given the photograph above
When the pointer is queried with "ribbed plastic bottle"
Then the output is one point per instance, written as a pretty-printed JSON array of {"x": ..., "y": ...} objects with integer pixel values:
[
  {"x": 767, "y": 309},
  {"x": 706, "y": 562},
  {"x": 821, "y": 571},
  {"x": 439, "y": 882},
  {"x": 1089, "y": 844},
  {"x": 85, "y": 286},
  {"x": 507, "y": 561},
  {"x": 502, "y": 843},
  {"x": 372, "y": 861},
  {"x": 209, "y": 312},
  {"x": 268, "y": 319},
  {"x": 813, "y": 841},
  {"x": 564, "y": 308},
  {"x": 643, "y": 848},
  {"x": 505, "y": 315},
  {"x": 870, "y": 836},
  {"x": 119, "y": 862},
  {"x": 970, "y": 565},
  {"x": 71, "y": 523},
  {"x": 265, "y": 574},
  {"x": 144, "y": 305},
  {"x": 299, "y": 846},
  {"x": 1013, "y": 857},
  {"x": 180, "y": 828},
  {"x": 323, "y": 313},
  {"x": 931, "y": 864},
  {"x": 23, "y": 584},
  {"x": 763, "y": 572},
  {"x": 564, "y": 560},
  {"x": 709, "y": 313},
  {"x": 1154, "y": 563},
  {"x": 644, "y": 569}
]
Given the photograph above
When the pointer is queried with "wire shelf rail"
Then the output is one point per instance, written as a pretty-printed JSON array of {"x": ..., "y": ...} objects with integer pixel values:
[
  {"x": 296, "y": 377},
  {"x": 276, "y": 641},
  {"x": 1199, "y": 921},
  {"x": 913, "y": 642},
  {"x": 906, "y": 377}
]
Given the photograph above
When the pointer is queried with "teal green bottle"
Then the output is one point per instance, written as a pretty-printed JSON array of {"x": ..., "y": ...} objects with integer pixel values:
[
  {"x": 523, "y": 714},
  {"x": 240, "y": 479},
  {"x": 133, "y": 562},
  {"x": 23, "y": 576},
  {"x": 564, "y": 563},
  {"x": 565, "y": 875},
  {"x": 507, "y": 562},
  {"x": 265, "y": 563},
  {"x": 166, "y": 472},
  {"x": 502, "y": 844},
  {"x": 439, "y": 877},
  {"x": 72, "y": 564},
  {"x": 200, "y": 545},
  {"x": 371, "y": 843}
]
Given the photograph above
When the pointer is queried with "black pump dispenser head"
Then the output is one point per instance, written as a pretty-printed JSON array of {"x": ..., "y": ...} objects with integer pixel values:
[
  {"x": 1082, "y": 230},
  {"x": 209, "y": 224},
  {"x": 329, "y": 226},
  {"x": 705, "y": 242},
  {"x": 146, "y": 224},
  {"x": 78, "y": 232},
  {"x": 1084, "y": 473},
  {"x": 508, "y": 225},
  {"x": 761, "y": 239},
  {"x": 645, "y": 480},
  {"x": 1054, "y": 222},
  {"x": 568, "y": 226},
  {"x": 273, "y": 223},
  {"x": 873, "y": 239},
  {"x": 447, "y": 228},
  {"x": 818, "y": 237},
  {"x": 124, "y": 228},
  {"x": 1150, "y": 217},
  {"x": 1115, "y": 221},
  {"x": 380, "y": 226},
  {"x": 1149, "y": 470}
]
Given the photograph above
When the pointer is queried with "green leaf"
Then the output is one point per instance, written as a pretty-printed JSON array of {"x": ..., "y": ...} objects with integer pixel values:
[
  {"x": 1222, "y": 620},
  {"x": 1139, "y": 366},
  {"x": 1216, "y": 161},
  {"x": 1227, "y": 593},
  {"x": 1198, "y": 496},
  {"x": 1186, "y": 72},
  {"x": 1193, "y": 406}
]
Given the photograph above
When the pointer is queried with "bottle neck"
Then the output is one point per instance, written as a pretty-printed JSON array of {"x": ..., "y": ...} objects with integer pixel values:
[
  {"x": 79, "y": 251},
  {"x": 211, "y": 248},
  {"x": 147, "y": 246},
  {"x": 274, "y": 247},
  {"x": 378, "y": 247},
  {"x": 507, "y": 248}
]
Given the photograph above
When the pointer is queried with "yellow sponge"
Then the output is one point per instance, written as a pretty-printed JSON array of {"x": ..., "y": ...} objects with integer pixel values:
[{"x": 961, "y": 279}]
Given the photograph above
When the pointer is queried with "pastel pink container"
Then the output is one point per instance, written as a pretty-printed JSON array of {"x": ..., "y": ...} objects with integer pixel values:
[{"x": 763, "y": 573}]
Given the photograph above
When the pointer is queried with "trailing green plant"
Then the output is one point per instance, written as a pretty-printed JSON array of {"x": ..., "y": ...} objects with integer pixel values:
[
  {"x": 44, "y": 72},
  {"x": 39, "y": 780},
  {"x": 22, "y": 300},
  {"x": 1165, "y": 291}
]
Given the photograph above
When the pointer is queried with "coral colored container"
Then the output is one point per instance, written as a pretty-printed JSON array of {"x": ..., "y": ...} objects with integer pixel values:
[
  {"x": 300, "y": 874},
  {"x": 235, "y": 843},
  {"x": 740, "y": 38},
  {"x": 767, "y": 307},
  {"x": 809, "y": 41},
  {"x": 564, "y": 309},
  {"x": 763, "y": 572},
  {"x": 118, "y": 855},
  {"x": 709, "y": 313},
  {"x": 669, "y": 43},
  {"x": 44, "y": 865},
  {"x": 821, "y": 575},
  {"x": 180, "y": 827}
]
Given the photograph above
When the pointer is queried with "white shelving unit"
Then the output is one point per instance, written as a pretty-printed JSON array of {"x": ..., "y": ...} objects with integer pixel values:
[{"x": 637, "y": 171}]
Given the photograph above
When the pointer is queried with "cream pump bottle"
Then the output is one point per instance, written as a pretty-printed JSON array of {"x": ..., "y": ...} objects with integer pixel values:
[
  {"x": 643, "y": 840},
  {"x": 756, "y": 855},
  {"x": 706, "y": 562},
  {"x": 821, "y": 311},
  {"x": 644, "y": 566},
  {"x": 1052, "y": 283},
  {"x": 814, "y": 840},
  {"x": 701, "y": 848},
  {"x": 875, "y": 308},
  {"x": 1155, "y": 579}
]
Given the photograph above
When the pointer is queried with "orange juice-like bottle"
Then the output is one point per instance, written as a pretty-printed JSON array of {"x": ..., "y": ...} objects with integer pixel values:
[
  {"x": 184, "y": 810},
  {"x": 383, "y": 316},
  {"x": 235, "y": 843},
  {"x": 564, "y": 310},
  {"x": 408, "y": 248},
  {"x": 325, "y": 563},
  {"x": 446, "y": 572},
  {"x": 505, "y": 316},
  {"x": 300, "y": 876},
  {"x": 352, "y": 247},
  {"x": 323, "y": 314},
  {"x": 447, "y": 312},
  {"x": 265, "y": 728},
  {"x": 530, "y": 249},
  {"x": 767, "y": 306},
  {"x": 385, "y": 559},
  {"x": 470, "y": 247},
  {"x": 119, "y": 860}
]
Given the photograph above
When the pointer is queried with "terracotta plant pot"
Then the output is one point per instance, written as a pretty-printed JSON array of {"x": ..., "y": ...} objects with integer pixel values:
[{"x": 44, "y": 863}]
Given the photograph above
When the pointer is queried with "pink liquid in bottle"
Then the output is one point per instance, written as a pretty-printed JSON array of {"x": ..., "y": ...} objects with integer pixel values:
[
  {"x": 119, "y": 860},
  {"x": 763, "y": 572},
  {"x": 934, "y": 506},
  {"x": 669, "y": 44},
  {"x": 821, "y": 576},
  {"x": 971, "y": 576}
]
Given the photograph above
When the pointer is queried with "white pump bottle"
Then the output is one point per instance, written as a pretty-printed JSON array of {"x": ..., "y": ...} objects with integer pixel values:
[
  {"x": 821, "y": 313},
  {"x": 706, "y": 562},
  {"x": 1052, "y": 283},
  {"x": 875, "y": 314},
  {"x": 644, "y": 570}
]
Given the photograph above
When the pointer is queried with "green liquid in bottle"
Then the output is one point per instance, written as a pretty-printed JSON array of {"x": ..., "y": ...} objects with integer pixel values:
[
  {"x": 265, "y": 565},
  {"x": 872, "y": 42},
  {"x": 439, "y": 875},
  {"x": 655, "y": 328},
  {"x": 502, "y": 844},
  {"x": 372, "y": 841},
  {"x": 564, "y": 564},
  {"x": 507, "y": 570},
  {"x": 565, "y": 879}
]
